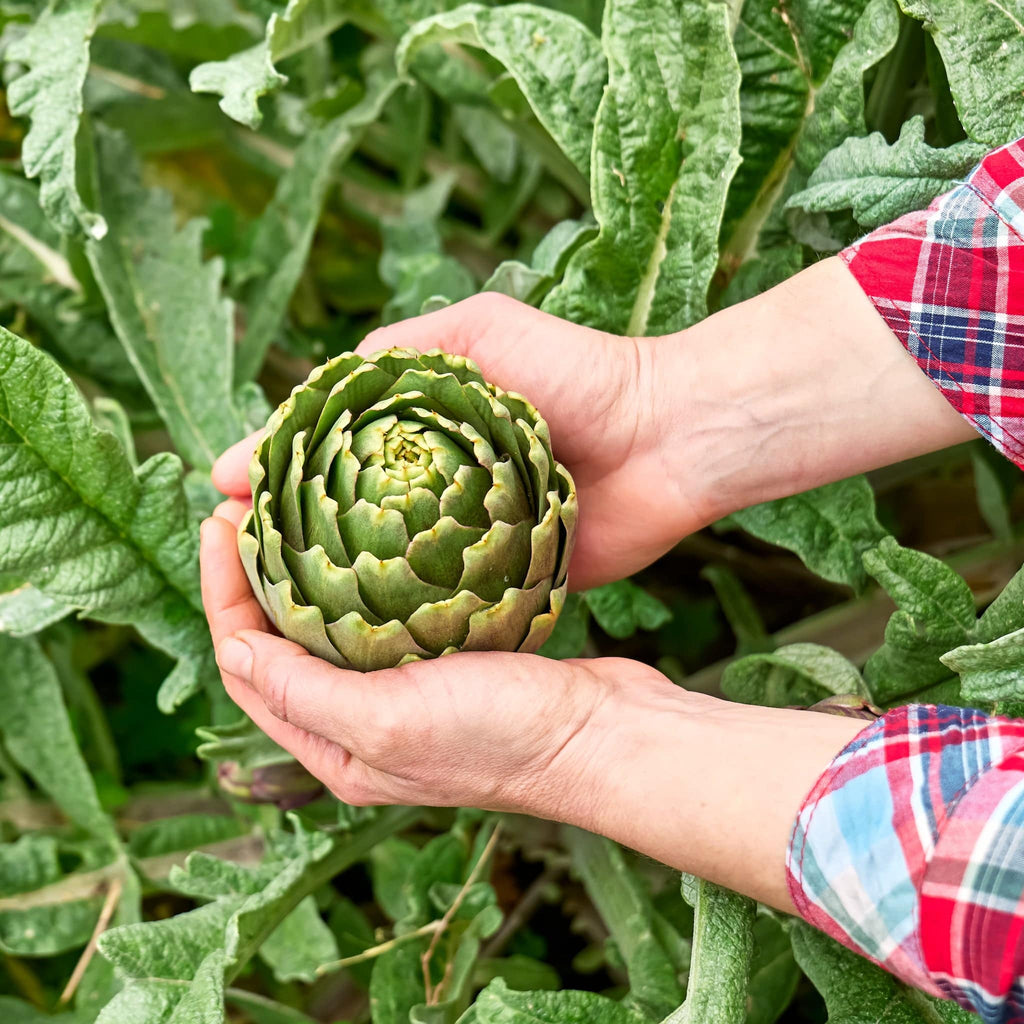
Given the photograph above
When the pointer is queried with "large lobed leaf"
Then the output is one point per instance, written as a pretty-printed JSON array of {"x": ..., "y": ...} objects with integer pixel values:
[{"x": 666, "y": 144}]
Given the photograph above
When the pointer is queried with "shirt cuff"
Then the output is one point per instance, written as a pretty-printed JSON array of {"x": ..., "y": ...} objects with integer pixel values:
[
  {"x": 949, "y": 282},
  {"x": 899, "y": 854}
]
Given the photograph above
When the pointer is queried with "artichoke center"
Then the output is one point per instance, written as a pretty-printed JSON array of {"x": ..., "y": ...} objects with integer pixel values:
[{"x": 407, "y": 456}]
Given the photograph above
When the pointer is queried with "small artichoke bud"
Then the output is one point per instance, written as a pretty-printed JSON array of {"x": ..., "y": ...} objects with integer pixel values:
[
  {"x": 288, "y": 784},
  {"x": 848, "y": 705},
  {"x": 404, "y": 508}
]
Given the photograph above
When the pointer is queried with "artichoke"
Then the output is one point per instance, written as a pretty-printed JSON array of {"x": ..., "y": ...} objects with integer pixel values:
[{"x": 405, "y": 508}]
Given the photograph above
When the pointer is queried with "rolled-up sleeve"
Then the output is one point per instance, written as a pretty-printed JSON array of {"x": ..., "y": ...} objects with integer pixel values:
[
  {"x": 949, "y": 282},
  {"x": 910, "y": 850}
]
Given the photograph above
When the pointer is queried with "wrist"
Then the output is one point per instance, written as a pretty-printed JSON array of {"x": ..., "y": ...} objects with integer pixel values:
[
  {"x": 707, "y": 786},
  {"x": 799, "y": 386}
]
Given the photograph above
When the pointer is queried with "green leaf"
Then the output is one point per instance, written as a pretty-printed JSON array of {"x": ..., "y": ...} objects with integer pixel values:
[
  {"x": 26, "y": 610},
  {"x": 498, "y": 1004},
  {"x": 993, "y": 501},
  {"x": 166, "y": 306},
  {"x": 554, "y": 60},
  {"x": 1006, "y": 613},
  {"x": 118, "y": 545},
  {"x": 992, "y": 671},
  {"x": 55, "y": 52},
  {"x": 531, "y": 282},
  {"x": 723, "y": 946},
  {"x": 413, "y": 262},
  {"x": 858, "y": 992},
  {"x": 880, "y": 182},
  {"x": 982, "y": 47},
  {"x": 626, "y": 908},
  {"x": 795, "y": 674},
  {"x": 182, "y": 832},
  {"x": 299, "y": 944},
  {"x": 37, "y": 733},
  {"x": 570, "y": 634},
  {"x": 396, "y": 985},
  {"x": 15, "y": 1011},
  {"x": 830, "y": 528},
  {"x": 284, "y": 232},
  {"x": 666, "y": 144},
  {"x": 242, "y": 79},
  {"x": 739, "y": 610},
  {"x": 774, "y": 975},
  {"x": 925, "y": 588},
  {"x": 621, "y": 608},
  {"x": 209, "y": 946}
]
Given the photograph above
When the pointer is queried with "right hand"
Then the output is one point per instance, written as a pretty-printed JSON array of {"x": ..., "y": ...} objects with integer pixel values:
[{"x": 613, "y": 414}]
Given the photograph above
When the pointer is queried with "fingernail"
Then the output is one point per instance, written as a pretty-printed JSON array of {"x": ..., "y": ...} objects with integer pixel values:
[{"x": 235, "y": 657}]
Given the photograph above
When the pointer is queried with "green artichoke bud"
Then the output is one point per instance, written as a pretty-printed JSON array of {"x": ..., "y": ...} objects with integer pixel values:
[
  {"x": 404, "y": 508},
  {"x": 287, "y": 784}
]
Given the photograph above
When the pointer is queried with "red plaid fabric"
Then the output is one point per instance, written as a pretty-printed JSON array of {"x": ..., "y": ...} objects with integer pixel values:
[
  {"x": 949, "y": 281},
  {"x": 910, "y": 850}
]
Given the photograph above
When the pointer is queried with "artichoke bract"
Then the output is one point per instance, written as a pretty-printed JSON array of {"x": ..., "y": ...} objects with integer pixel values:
[{"x": 405, "y": 508}]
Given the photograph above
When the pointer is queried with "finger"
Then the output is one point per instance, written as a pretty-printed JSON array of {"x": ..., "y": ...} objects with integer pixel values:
[
  {"x": 227, "y": 596},
  {"x": 232, "y": 510},
  {"x": 444, "y": 328},
  {"x": 230, "y": 473},
  {"x": 361, "y": 712}
]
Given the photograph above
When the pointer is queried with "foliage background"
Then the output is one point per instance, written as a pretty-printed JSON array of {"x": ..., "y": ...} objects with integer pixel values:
[{"x": 201, "y": 200}]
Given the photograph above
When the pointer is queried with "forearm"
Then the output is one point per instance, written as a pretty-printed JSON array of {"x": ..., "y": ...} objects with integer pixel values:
[
  {"x": 797, "y": 387},
  {"x": 706, "y": 786}
]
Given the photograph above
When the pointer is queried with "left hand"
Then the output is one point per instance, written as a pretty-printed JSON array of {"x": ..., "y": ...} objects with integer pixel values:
[{"x": 492, "y": 730}]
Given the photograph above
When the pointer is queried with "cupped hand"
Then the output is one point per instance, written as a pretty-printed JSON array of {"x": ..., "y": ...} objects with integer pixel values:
[
  {"x": 611, "y": 404},
  {"x": 491, "y": 730}
]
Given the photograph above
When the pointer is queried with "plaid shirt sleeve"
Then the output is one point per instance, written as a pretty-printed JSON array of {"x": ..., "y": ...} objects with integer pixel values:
[
  {"x": 910, "y": 850},
  {"x": 949, "y": 281}
]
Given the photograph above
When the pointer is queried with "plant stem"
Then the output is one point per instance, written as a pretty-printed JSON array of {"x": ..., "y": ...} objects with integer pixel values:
[
  {"x": 371, "y": 952},
  {"x": 106, "y": 913},
  {"x": 432, "y": 991}
]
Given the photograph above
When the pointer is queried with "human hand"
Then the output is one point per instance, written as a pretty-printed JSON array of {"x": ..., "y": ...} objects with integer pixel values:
[
  {"x": 492, "y": 730},
  {"x": 609, "y": 404},
  {"x": 606, "y": 744}
]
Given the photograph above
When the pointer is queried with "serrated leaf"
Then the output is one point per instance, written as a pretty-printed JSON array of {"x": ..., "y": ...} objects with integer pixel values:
[
  {"x": 37, "y": 733},
  {"x": 666, "y": 144},
  {"x": 879, "y": 182},
  {"x": 982, "y": 47},
  {"x": 830, "y": 528},
  {"x": 118, "y": 545},
  {"x": 244, "y": 78},
  {"x": 554, "y": 59},
  {"x": 795, "y": 674},
  {"x": 284, "y": 232},
  {"x": 166, "y": 306},
  {"x": 992, "y": 671},
  {"x": 723, "y": 946},
  {"x": 55, "y": 52},
  {"x": 623, "y": 607}
]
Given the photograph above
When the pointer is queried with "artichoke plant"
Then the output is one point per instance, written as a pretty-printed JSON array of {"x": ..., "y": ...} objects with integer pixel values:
[{"x": 405, "y": 508}]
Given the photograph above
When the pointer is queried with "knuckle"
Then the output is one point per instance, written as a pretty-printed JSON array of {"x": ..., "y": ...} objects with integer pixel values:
[{"x": 276, "y": 681}]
